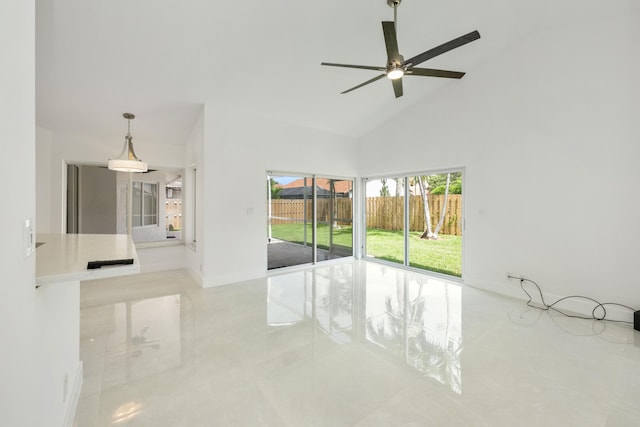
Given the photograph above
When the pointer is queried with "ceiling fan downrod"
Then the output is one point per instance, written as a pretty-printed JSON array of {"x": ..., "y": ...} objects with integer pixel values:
[{"x": 394, "y": 4}]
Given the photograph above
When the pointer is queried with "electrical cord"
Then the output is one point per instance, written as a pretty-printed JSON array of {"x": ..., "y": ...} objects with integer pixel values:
[{"x": 546, "y": 307}]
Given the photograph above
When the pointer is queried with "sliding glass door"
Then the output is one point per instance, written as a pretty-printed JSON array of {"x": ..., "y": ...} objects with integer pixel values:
[
  {"x": 310, "y": 219},
  {"x": 335, "y": 223},
  {"x": 416, "y": 220},
  {"x": 384, "y": 206},
  {"x": 290, "y": 227}
]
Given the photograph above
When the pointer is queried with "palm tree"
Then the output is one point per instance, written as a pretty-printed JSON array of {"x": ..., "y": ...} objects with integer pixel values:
[
  {"x": 424, "y": 187},
  {"x": 275, "y": 189}
]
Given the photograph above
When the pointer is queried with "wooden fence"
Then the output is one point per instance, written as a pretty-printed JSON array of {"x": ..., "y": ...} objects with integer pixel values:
[
  {"x": 285, "y": 210},
  {"x": 388, "y": 213},
  {"x": 382, "y": 212}
]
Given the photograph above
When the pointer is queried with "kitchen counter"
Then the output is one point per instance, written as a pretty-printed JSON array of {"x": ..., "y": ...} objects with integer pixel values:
[{"x": 64, "y": 257}]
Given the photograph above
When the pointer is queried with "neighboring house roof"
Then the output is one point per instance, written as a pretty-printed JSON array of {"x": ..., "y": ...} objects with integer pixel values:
[
  {"x": 343, "y": 187},
  {"x": 299, "y": 192}
]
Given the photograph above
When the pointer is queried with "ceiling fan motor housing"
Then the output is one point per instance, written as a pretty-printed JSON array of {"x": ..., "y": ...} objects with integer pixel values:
[{"x": 393, "y": 3}]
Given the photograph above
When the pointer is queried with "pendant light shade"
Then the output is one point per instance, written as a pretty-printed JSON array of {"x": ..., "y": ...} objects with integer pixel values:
[{"x": 128, "y": 161}]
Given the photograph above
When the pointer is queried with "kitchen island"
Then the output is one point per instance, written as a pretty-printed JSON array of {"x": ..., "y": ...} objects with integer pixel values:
[
  {"x": 61, "y": 264},
  {"x": 64, "y": 257}
]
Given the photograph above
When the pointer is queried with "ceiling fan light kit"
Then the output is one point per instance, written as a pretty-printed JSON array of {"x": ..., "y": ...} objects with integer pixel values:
[
  {"x": 128, "y": 161},
  {"x": 397, "y": 67}
]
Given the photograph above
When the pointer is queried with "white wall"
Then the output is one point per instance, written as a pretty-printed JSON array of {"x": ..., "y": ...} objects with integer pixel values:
[
  {"x": 18, "y": 316},
  {"x": 97, "y": 200},
  {"x": 44, "y": 142},
  {"x": 549, "y": 134},
  {"x": 238, "y": 151},
  {"x": 32, "y": 367}
]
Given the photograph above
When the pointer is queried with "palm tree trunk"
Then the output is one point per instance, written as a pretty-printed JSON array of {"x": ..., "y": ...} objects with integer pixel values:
[
  {"x": 428, "y": 234},
  {"x": 443, "y": 210}
]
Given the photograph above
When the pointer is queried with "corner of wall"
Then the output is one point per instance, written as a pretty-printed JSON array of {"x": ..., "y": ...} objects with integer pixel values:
[
  {"x": 212, "y": 281},
  {"x": 74, "y": 397}
]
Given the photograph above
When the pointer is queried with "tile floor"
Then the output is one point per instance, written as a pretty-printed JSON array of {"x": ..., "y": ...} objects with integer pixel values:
[{"x": 351, "y": 344}]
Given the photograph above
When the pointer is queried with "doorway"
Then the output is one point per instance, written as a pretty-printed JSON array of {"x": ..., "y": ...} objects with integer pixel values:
[
  {"x": 416, "y": 220},
  {"x": 310, "y": 219}
]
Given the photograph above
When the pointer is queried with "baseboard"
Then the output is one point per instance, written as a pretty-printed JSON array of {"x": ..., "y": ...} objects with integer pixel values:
[
  {"x": 226, "y": 279},
  {"x": 195, "y": 275},
  {"x": 161, "y": 266},
  {"x": 74, "y": 398}
]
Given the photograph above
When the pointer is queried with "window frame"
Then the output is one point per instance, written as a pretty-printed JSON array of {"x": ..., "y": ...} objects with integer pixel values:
[{"x": 141, "y": 202}]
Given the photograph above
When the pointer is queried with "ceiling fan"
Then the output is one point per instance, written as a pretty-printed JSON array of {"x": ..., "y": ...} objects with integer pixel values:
[{"x": 397, "y": 67}]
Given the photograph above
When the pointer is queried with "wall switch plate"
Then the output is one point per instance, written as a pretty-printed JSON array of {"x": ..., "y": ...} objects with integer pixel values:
[{"x": 29, "y": 237}]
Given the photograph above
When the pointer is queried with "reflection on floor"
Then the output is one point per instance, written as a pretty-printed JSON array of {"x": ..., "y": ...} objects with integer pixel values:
[
  {"x": 351, "y": 344},
  {"x": 286, "y": 254}
]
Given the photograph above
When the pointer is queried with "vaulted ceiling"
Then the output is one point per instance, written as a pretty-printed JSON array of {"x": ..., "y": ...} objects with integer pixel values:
[{"x": 163, "y": 60}]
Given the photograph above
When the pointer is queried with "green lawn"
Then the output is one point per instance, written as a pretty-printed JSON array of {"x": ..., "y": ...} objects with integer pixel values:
[
  {"x": 295, "y": 233},
  {"x": 443, "y": 255}
]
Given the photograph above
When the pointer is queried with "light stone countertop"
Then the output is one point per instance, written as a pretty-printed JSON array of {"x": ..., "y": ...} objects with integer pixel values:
[{"x": 64, "y": 257}]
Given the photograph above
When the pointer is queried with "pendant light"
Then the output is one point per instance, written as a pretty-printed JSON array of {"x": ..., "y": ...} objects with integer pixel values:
[{"x": 128, "y": 161}]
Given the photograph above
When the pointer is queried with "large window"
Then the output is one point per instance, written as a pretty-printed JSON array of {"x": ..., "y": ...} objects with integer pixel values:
[
  {"x": 145, "y": 204},
  {"x": 416, "y": 220}
]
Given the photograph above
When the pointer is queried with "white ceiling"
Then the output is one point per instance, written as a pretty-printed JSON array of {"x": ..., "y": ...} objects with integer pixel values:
[{"x": 163, "y": 60}]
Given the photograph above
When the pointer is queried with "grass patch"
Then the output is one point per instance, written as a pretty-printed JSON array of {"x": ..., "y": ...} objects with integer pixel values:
[
  {"x": 442, "y": 256},
  {"x": 294, "y": 233}
]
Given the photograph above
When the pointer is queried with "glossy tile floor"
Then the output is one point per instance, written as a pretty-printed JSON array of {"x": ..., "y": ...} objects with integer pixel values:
[{"x": 352, "y": 344}]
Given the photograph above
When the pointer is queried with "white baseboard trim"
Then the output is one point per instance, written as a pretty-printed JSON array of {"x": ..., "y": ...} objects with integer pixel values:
[
  {"x": 227, "y": 279},
  {"x": 161, "y": 266},
  {"x": 74, "y": 398},
  {"x": 196, "y": 276}
]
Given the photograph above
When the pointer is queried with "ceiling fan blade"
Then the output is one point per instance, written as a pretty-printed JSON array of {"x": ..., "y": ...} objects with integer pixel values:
[
  {"x": 429, "y": 72},
  {"x": 390, "y": 40},
  {"x": 364, "y": 84},
  {"x": 362, "y": 67},
  {"x": 397, "y": 87},
  {"x": 443, "y": 48}
]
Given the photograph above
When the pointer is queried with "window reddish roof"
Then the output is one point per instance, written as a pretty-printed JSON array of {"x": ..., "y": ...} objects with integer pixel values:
[{"x": 340, "y": 186}]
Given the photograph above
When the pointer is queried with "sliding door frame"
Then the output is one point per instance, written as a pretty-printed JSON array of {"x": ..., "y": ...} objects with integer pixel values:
[
  {"x": 314, "y": 236},
  {"x": 362, "y": 229}
]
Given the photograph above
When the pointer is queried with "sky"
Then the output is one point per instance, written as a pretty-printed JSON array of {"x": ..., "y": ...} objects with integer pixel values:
[{"x": 284, "y": 180}]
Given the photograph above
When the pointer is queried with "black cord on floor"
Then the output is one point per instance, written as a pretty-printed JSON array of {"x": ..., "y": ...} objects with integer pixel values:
[{"x": 598, "y": 305}]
